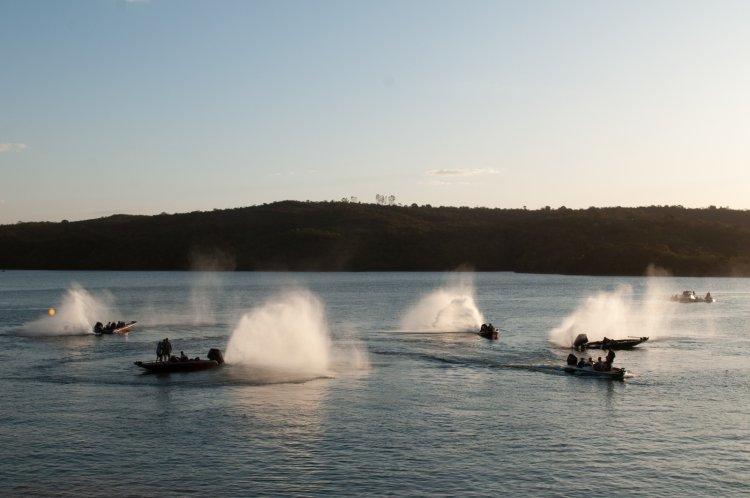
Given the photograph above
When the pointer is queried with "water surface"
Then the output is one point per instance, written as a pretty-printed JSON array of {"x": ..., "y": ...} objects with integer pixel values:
[{"x": 396, "y": 412}]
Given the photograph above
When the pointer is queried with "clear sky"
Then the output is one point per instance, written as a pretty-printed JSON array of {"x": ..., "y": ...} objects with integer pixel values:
[{"x": 150, "y": 106}]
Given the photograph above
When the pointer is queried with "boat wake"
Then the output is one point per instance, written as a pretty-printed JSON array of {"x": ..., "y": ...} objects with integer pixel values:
[
  {"x": 616, "y": 315},
  {"x": 450, "y": 308},
  {"x": 76, "y": 315},
  {"x": 289, "y": 335}
]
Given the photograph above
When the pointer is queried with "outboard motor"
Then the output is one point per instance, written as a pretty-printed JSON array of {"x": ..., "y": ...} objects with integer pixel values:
[
  {"x": 572, "y": 360},
  {"x": 580, "y": 343},
  {"x": 215, "y": 354}
]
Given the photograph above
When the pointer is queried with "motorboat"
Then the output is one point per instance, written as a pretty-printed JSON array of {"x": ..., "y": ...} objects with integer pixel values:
[
  {"x": 113, "y": 327},
  {"x": 582, "y": 342},
  {"x": 686, "y": 297},
  {"x": 689, "y": 296},
  {"x": 489, "y": 331},
  {"x": 614, "y": 373},
  {"x": 174, "y": 364}
]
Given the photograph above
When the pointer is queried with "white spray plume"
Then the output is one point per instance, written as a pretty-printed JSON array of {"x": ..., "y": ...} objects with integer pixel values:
[
  {"x": 76, "y": 315},
  {"x": 288, "y": 332},
  {"x": 448, "y": 309},
  {"x": 617, "y": 315}
]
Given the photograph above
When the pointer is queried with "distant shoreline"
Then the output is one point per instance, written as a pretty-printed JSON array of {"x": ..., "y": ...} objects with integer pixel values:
[{"x": 353, "y": 237}]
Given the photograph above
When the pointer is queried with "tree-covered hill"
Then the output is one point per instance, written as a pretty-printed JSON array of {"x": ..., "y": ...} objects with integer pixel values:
[{"x": 340, "y": 236}]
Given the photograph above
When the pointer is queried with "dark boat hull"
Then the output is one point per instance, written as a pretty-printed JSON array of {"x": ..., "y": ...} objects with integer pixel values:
[
  {"x": 120, "y": 330},
  {"x": 614, "y": 374},
  {"x": 177, "y": 366},
  {"x": 616, "y": 343},
  {"x": 489, "y": 332}
]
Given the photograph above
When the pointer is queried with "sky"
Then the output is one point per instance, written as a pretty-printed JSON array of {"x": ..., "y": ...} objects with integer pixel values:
[{"x": 151, "y": 106}]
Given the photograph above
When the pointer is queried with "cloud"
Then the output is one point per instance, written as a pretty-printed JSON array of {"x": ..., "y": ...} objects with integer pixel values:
[
  {"x": 8, "y": 147},
  {"x": 442, "y": 183},
  {"x": 446, "y": 172}
]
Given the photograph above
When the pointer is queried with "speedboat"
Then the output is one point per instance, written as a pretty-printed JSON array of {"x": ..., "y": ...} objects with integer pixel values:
[
  {"x": 113, "y": 327},
  {"x": 582, "y": 342},
  {"x": 174, "y": 364},
  {"x": 689, "y": 296},
  {"x": 686, "y": 297},
  {"x": 488, "y": 331},
  {"x": 614, "y": 373}
]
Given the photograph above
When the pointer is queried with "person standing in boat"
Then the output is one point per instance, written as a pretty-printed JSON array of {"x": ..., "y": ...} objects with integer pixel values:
[
  {"x": 610, "y": 359},
  {"x": 159, "y": 351},
  {"x": 167, "y": 349}
]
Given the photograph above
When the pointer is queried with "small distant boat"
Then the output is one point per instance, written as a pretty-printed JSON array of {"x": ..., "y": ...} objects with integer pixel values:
[
  {"x": 582, "y": 342},
  {"x": 614, "y": 373},
  {"x": 113, "y": 327},
  {"x": 488, "y": 331},
  {"x": 689, "y": 296},
  {"x": 174, "y": 364}
]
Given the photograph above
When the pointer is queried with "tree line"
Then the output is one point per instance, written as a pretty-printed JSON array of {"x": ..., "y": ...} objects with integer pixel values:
[{"x": 346, "y": 236}]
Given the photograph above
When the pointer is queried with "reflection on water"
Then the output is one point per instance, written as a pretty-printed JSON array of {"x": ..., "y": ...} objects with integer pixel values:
[{"x": 292, "y": 412}]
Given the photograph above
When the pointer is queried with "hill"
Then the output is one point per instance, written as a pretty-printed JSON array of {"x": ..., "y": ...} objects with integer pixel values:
[{"x": 339, "y": 236}]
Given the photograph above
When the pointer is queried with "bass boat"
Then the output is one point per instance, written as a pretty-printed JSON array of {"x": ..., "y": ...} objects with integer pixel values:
[
  {"x": 582, "y": 343},
  {"x": 614, "y": 373},
  {"x": 689, "y": 296},
  {"x": 113, "y": 327},
  {"x": 488, "y": 331},
  {"x": 174, "y": 364}
]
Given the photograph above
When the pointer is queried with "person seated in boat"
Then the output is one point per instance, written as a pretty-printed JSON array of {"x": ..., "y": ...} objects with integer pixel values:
[
  {"x": 599, "y": 365},
  {"x": 581, "y": 362},
  {"x": 183, "y": 356},
  {"x": 610, "y": 359}
]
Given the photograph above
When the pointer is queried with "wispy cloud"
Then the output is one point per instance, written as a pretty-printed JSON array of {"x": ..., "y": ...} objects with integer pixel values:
[
  {"x": 442, "y": 183},
  {"x": 8, "y": 147},
  {"x": 446, "y": 172}
]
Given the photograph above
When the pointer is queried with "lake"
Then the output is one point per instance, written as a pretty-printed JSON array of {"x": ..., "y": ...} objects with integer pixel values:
[{"x": 371, "y": 384}]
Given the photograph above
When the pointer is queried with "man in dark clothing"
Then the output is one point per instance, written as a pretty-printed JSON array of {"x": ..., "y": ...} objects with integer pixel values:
[
  {"x": 167, "y": 349},
  {"x": 610, "y": 359}
]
